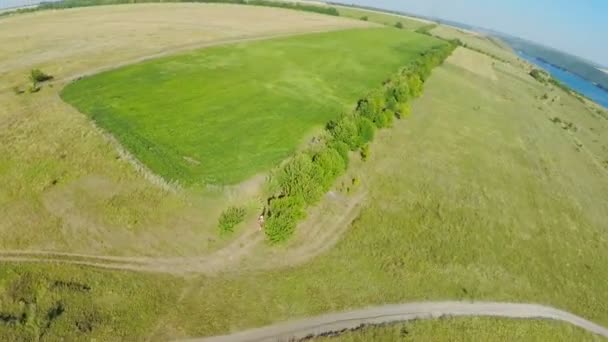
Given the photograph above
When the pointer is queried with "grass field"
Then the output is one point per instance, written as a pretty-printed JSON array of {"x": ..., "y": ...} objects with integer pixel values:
[
  {"x": 221, "y": 115},
  {"x": 468, "y": 329},
  {"x": 480, "y": 194},
  {"x": 381, "y": 18},
  {"x": 447, "y": 216}
]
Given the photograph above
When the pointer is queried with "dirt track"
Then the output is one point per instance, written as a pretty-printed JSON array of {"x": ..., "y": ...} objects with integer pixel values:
[
  {"x": 324, "y": 235},
  {"x": 352, "y": 320}
]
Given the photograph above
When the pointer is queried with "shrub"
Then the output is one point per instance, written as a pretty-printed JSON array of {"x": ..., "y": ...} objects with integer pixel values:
[
  {"x": 331, "y": 164},
  {"x": 230, "y": 218},
  {"x": 37, "y": 76},
  {"x": 345, "y": 130},
  {"x": 404, "y": 110},
  {"x": 342, "y": 150},
  {"x": 365, "y": 152},
  {"x": 399, "y": 25},
  {"x": 366, "y": 130},
  {"x": 415, "y": 85},
  {"x": 364, "y": 18},
  {"x": 283, "y": 216}
]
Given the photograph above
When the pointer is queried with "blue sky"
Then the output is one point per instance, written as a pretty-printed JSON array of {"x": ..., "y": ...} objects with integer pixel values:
[{"x": 579, "y": 27}]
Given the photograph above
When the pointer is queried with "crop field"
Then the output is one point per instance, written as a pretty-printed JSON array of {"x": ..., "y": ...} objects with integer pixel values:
[
  {"x": 468, "y": 329},
  {"x": 221, "y": 115}
]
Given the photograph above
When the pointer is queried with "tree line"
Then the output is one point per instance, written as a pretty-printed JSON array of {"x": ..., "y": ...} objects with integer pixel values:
[{"x": 308, "y": 175}]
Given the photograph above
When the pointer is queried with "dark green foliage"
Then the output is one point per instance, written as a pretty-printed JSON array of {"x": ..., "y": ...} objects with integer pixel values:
[
  {"x": 365, "y": 18},
  {"x": 230, "y": 218},
  {"x": 307, "y": 176},
  {"x": 399, "y": 25},
  {"x": 37, "y": 76}
]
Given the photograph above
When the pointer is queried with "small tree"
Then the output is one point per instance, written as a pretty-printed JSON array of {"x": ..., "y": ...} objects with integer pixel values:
[
  {"x": 230, "y": 218},
  {"x": 399, "y": 25},
  {"x": 37, "y": 76},
  {"x": 364, "y": 18}
]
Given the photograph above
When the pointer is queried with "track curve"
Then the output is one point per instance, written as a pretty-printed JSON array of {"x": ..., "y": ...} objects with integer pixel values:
[{"x": 351, "y": 320}]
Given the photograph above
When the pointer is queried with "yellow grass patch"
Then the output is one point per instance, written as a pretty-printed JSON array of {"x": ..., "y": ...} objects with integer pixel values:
[{"x": 474, "y": 62}]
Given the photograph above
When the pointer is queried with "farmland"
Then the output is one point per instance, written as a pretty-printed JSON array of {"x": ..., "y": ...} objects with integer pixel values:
[
  {"x": 221, "y": 115},
  {"x": 493, "y": 188}
]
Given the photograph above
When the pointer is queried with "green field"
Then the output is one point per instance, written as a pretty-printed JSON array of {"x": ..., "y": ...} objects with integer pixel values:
[
  {"x": 223, "y": 114},
  {"x": 469, "y": 329}
]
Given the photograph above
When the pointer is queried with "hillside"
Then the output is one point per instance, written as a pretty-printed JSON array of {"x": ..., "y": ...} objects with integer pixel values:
[{"x": 573, "y": 64}]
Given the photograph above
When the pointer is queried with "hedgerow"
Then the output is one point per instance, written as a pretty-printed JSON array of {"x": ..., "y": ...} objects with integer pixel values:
[{"x": 307, "y": 176}]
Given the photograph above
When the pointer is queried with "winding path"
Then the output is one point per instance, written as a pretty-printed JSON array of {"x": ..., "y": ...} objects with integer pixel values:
[{"x": 352, "y": 320}]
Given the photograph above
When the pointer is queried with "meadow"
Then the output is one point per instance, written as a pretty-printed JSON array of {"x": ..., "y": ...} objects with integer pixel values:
[
  {"x": 224, "y": 114},
  {"x": 481, "y": 193},
  {"x": 447, "y": 216}
]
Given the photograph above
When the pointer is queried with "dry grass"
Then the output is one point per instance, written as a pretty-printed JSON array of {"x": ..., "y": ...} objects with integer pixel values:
[
  {"x": 65, "y": 186},
  {"x": 476, "y": 41},
  {"x": 474, "y": 62}
]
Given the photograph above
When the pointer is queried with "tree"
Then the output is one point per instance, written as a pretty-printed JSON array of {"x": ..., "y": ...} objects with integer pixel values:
[{"x": 399, "y": 25}]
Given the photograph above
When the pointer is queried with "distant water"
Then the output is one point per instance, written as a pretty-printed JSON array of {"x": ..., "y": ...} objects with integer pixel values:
[{"x": 573, "y": 81}]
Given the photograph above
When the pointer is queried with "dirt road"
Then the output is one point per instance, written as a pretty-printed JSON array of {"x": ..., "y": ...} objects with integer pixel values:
[{"x": 352, "y": 320}]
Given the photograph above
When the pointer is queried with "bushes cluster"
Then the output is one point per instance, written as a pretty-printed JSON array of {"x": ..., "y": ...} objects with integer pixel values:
[
  {"x": 230, "y": 218},
  {"x": 308, "y": 175}
]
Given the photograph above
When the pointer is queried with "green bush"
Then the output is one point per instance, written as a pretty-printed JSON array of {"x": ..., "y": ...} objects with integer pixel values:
[
  {"x": 37, "y": 76},
  {"x": 283, "y": 216},
  {"x": 366, "y": 130},
  {"x": 230, "y": 218},
  {"x": 364, "y": 18},
  {"x": 399, "y": 25},
  {"x": 365, "y": 152},
  {"x": 345, "y": 130}
]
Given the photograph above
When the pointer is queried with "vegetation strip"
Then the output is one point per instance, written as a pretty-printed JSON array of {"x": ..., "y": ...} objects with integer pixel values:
[
  {"x": 352, "y": 320},
  {"x": 86, "y": 3},
  {"x": 304, "y": 179}
]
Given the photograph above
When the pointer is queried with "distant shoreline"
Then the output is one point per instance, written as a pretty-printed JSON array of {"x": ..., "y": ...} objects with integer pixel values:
[{"x": 540, "y": 59}]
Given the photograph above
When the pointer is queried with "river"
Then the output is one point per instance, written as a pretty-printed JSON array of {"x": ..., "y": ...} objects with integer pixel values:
[{"x": 571, "y": 80}]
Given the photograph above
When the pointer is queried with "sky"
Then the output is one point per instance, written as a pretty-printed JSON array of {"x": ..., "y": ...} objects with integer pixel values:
[{"x": 579, "y": 27}]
